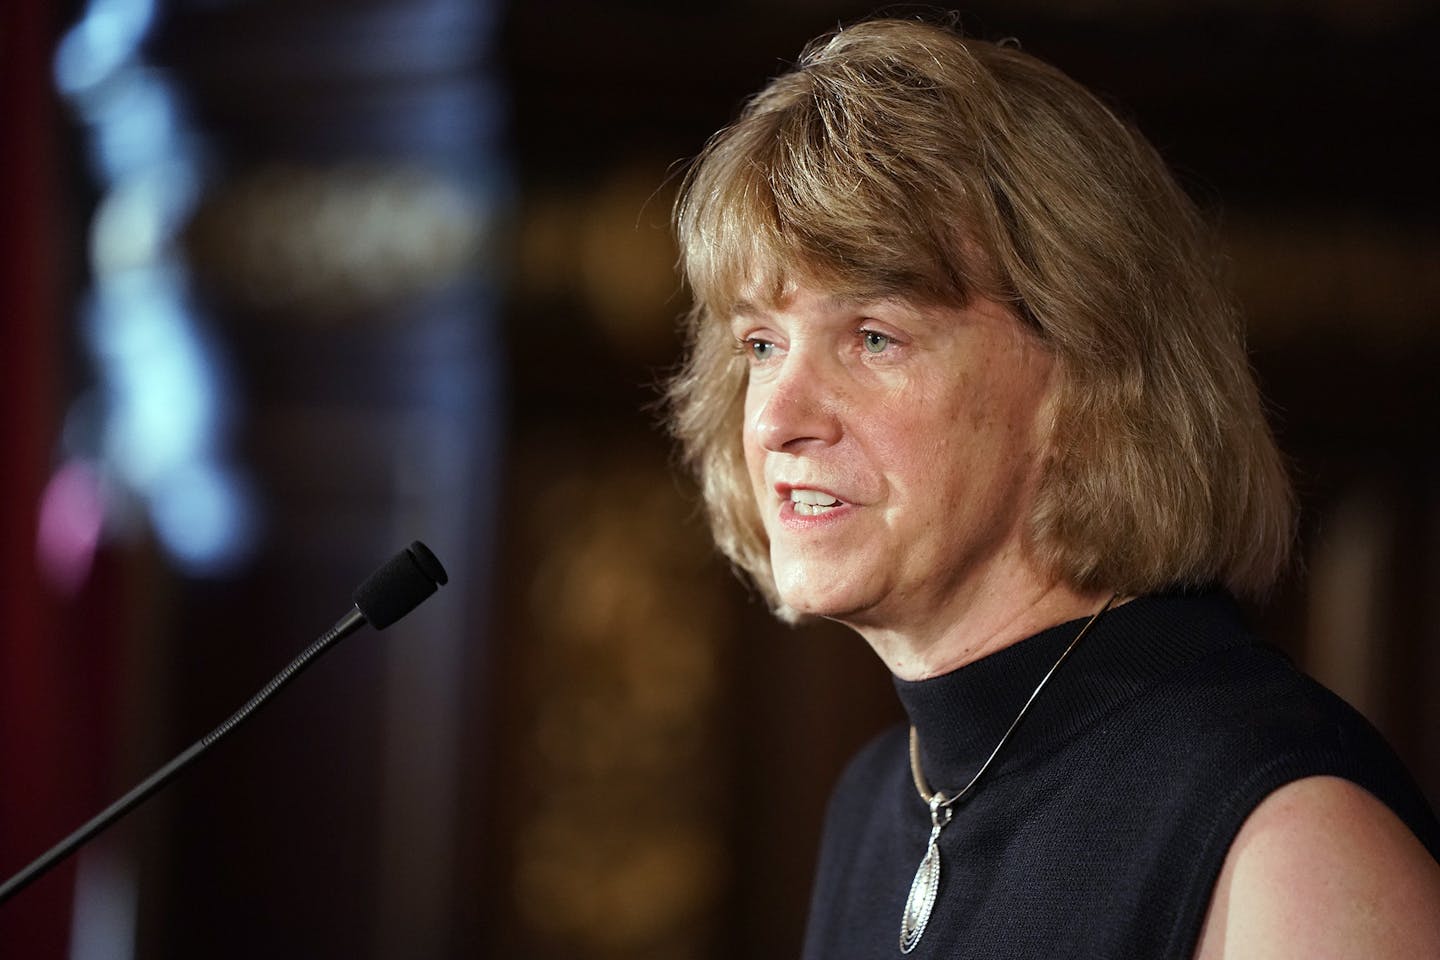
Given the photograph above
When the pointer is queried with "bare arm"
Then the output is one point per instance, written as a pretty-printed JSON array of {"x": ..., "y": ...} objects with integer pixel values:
[{"x": 1323, "y": 869}]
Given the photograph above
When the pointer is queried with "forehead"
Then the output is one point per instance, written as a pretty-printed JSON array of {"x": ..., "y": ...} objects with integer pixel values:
[
  {"x": 803, "y": 304},
  {"x": 763, "y": 273},
  {"x": 794, "y": 297},
  {"x": 777, "y": 291},
  {"x": 800, "y": 294}
]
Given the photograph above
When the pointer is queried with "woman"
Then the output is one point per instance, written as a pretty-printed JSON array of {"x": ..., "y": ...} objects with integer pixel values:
[{"x": 963, "y": 374}]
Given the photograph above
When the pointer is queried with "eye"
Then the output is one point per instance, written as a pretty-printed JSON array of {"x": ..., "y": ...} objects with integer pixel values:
[
  {"x": 875, "y": 342},
  {"x": 756, "y": 348}
]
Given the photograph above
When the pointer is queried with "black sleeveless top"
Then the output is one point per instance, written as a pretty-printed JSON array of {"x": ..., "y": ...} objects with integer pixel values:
[{"x": 1101, "y": 827}]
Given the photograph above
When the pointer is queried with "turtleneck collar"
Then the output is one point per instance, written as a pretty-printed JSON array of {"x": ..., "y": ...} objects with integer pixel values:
[{"x": 962, "y": 715}]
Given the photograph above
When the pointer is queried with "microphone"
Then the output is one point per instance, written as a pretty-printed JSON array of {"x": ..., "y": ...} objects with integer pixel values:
[{"x": 401, "y": 585}]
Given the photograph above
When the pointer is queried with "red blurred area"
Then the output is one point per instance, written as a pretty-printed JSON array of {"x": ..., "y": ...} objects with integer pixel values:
[{"x": 39, "y": 780}]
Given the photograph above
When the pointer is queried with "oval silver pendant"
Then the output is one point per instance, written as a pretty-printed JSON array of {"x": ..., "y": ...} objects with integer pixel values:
[
  {"x": 927, "y": 879},
  {"x": 921, "y": 900}
]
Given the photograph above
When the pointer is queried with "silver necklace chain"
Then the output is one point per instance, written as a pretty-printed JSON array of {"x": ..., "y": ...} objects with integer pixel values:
[{"x": 926, "y": 885}]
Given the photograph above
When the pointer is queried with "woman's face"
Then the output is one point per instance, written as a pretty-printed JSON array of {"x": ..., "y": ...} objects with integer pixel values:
[{"x": 892, "y": 451}]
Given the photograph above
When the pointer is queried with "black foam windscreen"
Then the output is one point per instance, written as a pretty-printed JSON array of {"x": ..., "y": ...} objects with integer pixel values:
[{"x": 399, "y": 586}]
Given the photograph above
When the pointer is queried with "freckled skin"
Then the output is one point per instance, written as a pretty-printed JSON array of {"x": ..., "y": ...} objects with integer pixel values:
[
  {"x": 932, "y": 442},
  {"x": 1323, "y": 869}
]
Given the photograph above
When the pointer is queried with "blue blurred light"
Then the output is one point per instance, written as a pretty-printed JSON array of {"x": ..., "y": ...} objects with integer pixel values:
[
  {"x": 136, "y": 222},
  {"x": 163, "y": 407},
  {"x": 107, "y": 34},
  {"x": 135, "y": 124},
  {"x": 204, "y": 517}
]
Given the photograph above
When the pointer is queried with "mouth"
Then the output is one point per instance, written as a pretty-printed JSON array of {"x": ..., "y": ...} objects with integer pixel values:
[{"x": 812, "y": 503}]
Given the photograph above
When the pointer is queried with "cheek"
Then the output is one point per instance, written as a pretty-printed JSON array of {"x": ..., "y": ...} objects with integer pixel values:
[
  {"x": 754, "y": 470},
  {"x": 1005, "y": 453},
  {"x": 747, "y": 427},
  {"x": 749, "y": 410},
  {"x": 972, "y": 452},
  {"x": 750, "y": 445}
]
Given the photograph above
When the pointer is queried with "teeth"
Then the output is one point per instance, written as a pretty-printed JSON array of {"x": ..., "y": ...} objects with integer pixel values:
[{"x": 809, "y": 503}]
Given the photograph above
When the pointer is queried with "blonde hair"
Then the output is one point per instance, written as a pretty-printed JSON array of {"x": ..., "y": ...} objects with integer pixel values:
[{"x": 901, "y": 159}]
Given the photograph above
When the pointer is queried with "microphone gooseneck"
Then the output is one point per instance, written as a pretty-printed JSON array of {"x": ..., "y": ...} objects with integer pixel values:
[{"x": 391, "y": 592}]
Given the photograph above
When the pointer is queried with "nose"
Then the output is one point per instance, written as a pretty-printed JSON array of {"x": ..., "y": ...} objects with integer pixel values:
[{"x": 796, "y": 408}]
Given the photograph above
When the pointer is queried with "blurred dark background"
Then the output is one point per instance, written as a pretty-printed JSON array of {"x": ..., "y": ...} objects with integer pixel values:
[{"x": 289, "y": 283}]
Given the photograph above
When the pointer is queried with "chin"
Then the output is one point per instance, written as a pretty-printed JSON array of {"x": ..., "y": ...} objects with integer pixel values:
[{"x": 813, "y": 596}]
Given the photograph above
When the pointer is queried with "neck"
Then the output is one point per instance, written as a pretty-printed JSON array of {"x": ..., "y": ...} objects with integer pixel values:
[{"x": 979, "y": 625}]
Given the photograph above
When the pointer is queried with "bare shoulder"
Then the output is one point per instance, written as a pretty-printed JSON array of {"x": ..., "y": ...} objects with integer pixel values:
[{"x": 1322, "y": 868}]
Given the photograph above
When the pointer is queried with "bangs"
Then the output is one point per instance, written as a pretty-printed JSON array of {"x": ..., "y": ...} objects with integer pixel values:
[{"x": 790, "y": 194}]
